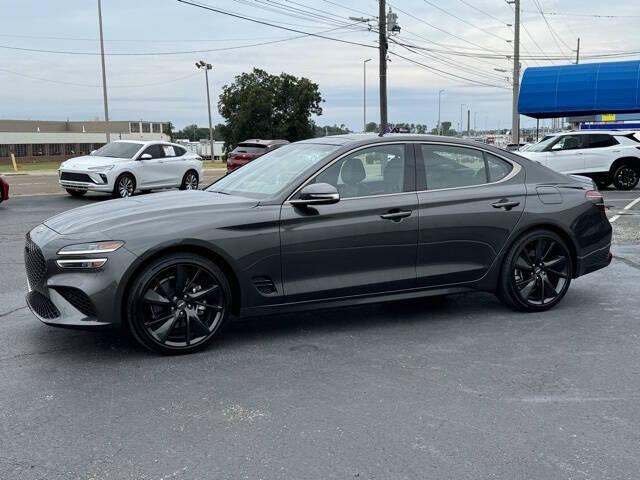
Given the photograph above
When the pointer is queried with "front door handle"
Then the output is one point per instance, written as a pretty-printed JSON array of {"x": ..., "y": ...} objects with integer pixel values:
[
  {"x": 506, "y": 204},
  {"x": 396, "y": 215}
]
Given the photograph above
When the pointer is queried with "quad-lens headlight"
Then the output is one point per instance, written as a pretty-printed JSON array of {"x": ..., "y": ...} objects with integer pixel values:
[{"x": 96, "y": 248}]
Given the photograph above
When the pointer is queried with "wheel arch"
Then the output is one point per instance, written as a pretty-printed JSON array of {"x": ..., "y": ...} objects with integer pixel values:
[
  {"x": 126, "y": 172},
  {"x": 195, "y": 247},
  {"x": 635, "y": 161}
]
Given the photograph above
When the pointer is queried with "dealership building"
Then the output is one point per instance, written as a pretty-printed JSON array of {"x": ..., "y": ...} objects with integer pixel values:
[{"x": 39, "y": 141}]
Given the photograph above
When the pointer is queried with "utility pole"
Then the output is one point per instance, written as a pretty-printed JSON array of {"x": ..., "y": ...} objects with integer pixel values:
[
  {"x": 364, "y": 96},
  {"x": 382, "y": 29},
  {"x": 206, "y": 67},
  {"x": 461, "y": 124},
  {"x": 439, "y": 102},
  {"x": 515, "y": 117},
  {"x": 578, "y": 53},
  {"x": 468, "y": 122},
  {"x": 104, "y": 76}
]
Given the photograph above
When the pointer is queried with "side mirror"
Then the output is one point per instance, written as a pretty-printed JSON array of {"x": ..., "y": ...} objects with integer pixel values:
[
  {"x": 145, "y": 156},
  {"x": 317, "y": 194}
]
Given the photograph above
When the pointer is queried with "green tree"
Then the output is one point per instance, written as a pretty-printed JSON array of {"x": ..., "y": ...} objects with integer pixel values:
[
  {"x": 331, "y": 130},
  {"x": 372, "y": 127},
  {"x": 261, "y": 105}
]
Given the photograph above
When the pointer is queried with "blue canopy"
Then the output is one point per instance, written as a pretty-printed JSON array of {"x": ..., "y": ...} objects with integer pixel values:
[{"x": 584, "y": 89}]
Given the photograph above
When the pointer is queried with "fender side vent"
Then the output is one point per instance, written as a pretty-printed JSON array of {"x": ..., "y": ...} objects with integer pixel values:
[{"x": 265, "y": 285}]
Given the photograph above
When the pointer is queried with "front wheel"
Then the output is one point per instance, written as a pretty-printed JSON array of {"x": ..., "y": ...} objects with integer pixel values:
[
  {"x": 125, "y": 186},
  {"x": 626, "y": 177},
  {"x": 178, "y": 303},
  {"x": 189, "y": 181},
  {"x": 76, "y": 193},
  {"x": 536, "y": 273}
]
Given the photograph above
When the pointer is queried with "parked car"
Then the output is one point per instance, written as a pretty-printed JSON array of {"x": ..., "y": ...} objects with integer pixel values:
[
  {"x": 123, "y": 167},
  {"x": 314, "y": 224},
  {"x": 606, "y": 157},
  {"x": 250, "y": 150},
  {"x": 4, "y": 190}
]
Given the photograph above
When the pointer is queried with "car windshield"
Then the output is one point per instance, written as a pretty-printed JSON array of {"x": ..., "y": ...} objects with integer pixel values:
[
  {"x": 272, "y": 172},
  {"x": 542, "y": 144},
  {"x": 118, "y": 150}
]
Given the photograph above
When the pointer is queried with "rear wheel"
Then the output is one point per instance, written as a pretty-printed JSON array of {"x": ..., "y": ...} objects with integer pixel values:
[
  {"x": 626, "y": 177},
  {"x": 125, "y": 186},
  {"x": 189, "y": 181},
  {"x": 76, "y": 193},
  {"x": 536, "y": 273},
  {"x": 178, "y": 303}
]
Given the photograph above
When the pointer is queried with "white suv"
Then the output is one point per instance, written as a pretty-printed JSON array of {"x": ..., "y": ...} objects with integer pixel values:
[
  {"x": 122, "y": 167},
  {"x": 606, "y": 157}
]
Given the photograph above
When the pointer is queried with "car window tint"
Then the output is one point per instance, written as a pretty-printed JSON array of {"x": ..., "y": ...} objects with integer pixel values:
[
  {"x": 169, "y": 150},
  {"x": 571, "y": 142},
  {"x": 497, "y": 168},
  {"x": 601, "y": 140},
  {"x": 371, "y": 171},
  {"x": 155, "y": 151},
  {"x": 451, "y": 167},
  {"x": 179, "y": 151}
]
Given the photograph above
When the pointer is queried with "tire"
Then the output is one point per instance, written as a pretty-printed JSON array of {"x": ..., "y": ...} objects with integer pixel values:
[
  {"x": 626, "y": 177},
  {"x": 190, "y": 181},
  {"x": 124, "y": 186},
  {"x": 76, "y": 193},
  {"x": 602, "y": 184},
  {"x": 536, "y": 272},
  {"x": 178, "y": 304}
]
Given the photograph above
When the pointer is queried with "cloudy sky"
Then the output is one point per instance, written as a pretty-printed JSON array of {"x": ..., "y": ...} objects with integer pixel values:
[{"x": 158, "y": 84}]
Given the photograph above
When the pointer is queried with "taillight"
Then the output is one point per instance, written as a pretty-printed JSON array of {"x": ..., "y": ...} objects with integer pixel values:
[{"x": 597, "y": 198}]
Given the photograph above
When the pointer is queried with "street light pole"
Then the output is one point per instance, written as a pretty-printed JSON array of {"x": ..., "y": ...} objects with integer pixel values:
[
  {"x": 206, "y": 67},
  {"x": 439, "y": 128},
  {"x": 461, "y": 125},
  {"x": 364, "y": 96},
  {"x": 104, "y": 76}
]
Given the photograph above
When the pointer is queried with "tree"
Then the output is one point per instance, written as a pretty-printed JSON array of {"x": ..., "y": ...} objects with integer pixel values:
[
  {"x": 372, "y": 127},
  {"x": 260, "y": 105},
  {"x": 331, "y": 130}
]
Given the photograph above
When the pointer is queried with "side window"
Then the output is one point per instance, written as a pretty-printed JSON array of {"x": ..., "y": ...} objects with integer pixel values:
[
  {"x": 497, "y": 168},
  {"x": 601, "y": 140},
  {"x": 179, "y": 151},
  {"x": 169, "y": 150},
  {"x": 371, "y": 171},
  {"x": 452, "y": 167},
  {"x": 155, "y": 151},
  {"x": 570, "y": 142}
]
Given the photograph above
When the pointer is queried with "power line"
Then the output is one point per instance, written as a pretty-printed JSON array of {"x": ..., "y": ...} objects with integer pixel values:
[
  {"x": 483, "y": 12},
  {"x": 590, "y": 15},
  {"x": 488, "y": 32},
  {"x": 554, "y": 35}
]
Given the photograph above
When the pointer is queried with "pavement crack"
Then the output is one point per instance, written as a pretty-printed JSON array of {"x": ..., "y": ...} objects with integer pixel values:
[
  {"x": 12, "y": 311},
  {"x": 626, "y": 261}
]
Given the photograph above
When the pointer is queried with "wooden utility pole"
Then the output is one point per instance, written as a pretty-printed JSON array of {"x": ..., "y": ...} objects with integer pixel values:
[{"x": 382, "y": 29}]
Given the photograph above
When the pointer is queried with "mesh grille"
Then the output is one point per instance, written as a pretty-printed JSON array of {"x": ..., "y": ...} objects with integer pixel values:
[
  {"x": 75, "y": 177},
  {"x": 42, "y": 306},
  {"x": 34, "y": 262},
  {"x": 78, "y": 299}
]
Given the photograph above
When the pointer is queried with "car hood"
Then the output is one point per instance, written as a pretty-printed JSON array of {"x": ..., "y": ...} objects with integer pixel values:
[
  {"x": 531, "y": 155},
  {"x": 86, "y": 161},
  {"x": 153, "y": 211}
]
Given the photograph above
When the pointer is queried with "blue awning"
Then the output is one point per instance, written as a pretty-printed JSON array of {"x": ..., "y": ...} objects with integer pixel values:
[{"x": 584, "y": 89}]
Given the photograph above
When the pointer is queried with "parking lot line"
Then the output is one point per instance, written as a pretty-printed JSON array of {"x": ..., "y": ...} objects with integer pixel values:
[{"x": 629, "y": 206}]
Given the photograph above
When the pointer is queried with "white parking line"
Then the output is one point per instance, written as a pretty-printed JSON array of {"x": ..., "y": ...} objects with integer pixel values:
[{"x": 626, "y": 207}]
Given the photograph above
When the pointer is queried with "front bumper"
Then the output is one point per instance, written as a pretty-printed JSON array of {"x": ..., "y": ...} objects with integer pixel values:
[
  {"x": 67, "y": 297},
  {"x": 85, "y": 180}
]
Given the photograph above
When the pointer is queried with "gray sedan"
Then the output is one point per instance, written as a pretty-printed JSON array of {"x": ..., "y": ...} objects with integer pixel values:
[{"x": 319, "y": 223}]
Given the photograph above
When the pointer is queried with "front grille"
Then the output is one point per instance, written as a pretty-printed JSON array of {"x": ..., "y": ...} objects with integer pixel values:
[
  {"x": 78, "y": 299},
  {"x": 265, "y": 285},
  {"x": 76, "y": 177},
  {"x": 42, "y": 306},
  {"x": 34, "y": 262}
]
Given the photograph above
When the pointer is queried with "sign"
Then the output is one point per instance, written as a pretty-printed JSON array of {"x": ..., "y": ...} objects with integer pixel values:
[{"x": 608, "y": 117}]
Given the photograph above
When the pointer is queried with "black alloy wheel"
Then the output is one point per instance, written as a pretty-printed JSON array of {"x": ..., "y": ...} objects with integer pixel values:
[
  {"x": 537, "y": 272},
  {"x": 190, "y": 181},
  {"x": 626, "y": 177},
  {"x": 178, "y": 304},
  {"x": 124, "y": 187},
  {"x": 76, "y": 193}
]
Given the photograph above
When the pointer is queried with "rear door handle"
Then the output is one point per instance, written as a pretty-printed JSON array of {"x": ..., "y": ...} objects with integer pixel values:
[
  {"x": 506, "y": 204},
  {"x": 396, "y": 215}
]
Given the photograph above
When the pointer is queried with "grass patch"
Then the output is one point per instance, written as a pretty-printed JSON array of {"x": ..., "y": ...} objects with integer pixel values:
[{"x": 31, "y": 167}]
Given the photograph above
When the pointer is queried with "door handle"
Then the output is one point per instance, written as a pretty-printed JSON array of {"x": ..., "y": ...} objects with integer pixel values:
[
  {"x": 506, "y": 204},
  {"x": 396, "y": 215}
]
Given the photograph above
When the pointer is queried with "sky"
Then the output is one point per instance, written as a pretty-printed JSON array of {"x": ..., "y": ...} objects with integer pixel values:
[{"x": 148, "y": 80}]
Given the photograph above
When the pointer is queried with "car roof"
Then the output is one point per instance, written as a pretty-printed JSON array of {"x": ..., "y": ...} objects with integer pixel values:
[
  {"x": 260, "y": 141},
  {"x": 372, "y": 139}
]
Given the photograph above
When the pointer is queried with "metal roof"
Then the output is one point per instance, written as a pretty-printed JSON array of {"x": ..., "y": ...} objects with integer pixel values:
[{"x": 584, "y": 89}]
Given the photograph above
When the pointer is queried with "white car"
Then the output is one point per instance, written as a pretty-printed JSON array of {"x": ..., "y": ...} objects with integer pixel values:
[
  {"x": 606, "y": 157},
  {"x": 124, "y": 167}
]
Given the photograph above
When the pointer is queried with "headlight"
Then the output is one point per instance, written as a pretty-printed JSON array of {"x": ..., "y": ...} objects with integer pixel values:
[
  {"x": 91, "y": 248},
  {"x": 102, "y": 168}
]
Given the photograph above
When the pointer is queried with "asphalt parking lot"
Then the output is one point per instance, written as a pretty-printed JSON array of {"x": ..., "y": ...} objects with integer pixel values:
[{"x": 457, "y": 387}]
